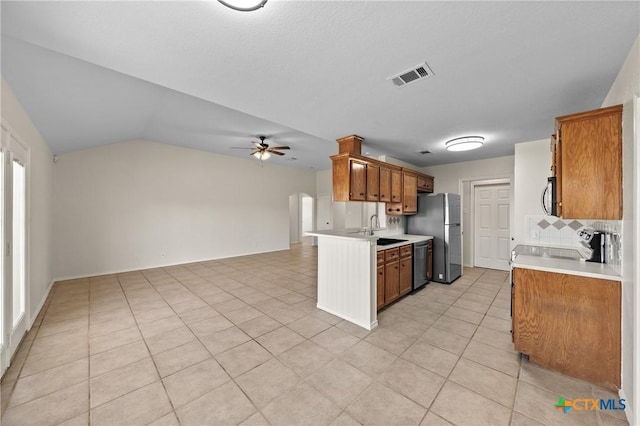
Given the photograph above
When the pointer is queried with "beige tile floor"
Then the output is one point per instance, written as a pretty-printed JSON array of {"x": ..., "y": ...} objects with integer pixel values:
[{"x": 240, "y": 341}]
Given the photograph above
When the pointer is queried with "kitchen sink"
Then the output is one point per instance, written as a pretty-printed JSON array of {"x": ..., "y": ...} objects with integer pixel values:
[{"x": 388, "y": 241}]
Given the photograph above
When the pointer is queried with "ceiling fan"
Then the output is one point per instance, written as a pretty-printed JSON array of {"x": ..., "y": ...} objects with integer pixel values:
[{"x": 262, "y": 150}]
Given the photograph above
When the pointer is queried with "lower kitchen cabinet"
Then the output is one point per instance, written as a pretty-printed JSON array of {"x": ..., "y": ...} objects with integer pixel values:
[
  {"x": 380, "y": 280},
  {"x": 394, "y": 274},
  {"x": 568, "y": 323},
  {"x": 406, "y": 269},
  {"x": 391, "y": 275}
]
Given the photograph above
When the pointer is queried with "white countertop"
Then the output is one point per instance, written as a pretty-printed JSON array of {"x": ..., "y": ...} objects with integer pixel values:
[
  {"x": 565, "y": 266},
  {"x": 356, "y": 234}
]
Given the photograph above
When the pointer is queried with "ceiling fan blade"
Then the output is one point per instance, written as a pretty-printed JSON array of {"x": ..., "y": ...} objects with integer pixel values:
[
  {"x": 257, "y": 144},
  {"x": 275, "y": 152},
  {"x": 280, "y": 147}
]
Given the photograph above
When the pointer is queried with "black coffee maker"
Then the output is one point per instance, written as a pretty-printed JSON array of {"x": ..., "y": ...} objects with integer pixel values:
[{"x": 596, "y": 241}]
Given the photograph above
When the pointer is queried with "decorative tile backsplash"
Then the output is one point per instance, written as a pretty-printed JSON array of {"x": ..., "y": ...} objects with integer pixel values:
[
  {"x": 554, "y": 231},
  {"x": 550, "y": 230}
]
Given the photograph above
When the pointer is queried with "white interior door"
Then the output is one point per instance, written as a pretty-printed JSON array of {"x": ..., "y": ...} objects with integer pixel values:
[{"x": 492, "y": 207}]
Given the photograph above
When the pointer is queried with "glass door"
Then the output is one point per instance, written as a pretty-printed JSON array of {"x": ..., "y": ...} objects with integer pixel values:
[
  {"x": 18, "y": 252},
  {"x": 13, "y": 248}
]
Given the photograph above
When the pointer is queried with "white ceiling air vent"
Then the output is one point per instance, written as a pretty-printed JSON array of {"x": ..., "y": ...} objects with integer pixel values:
[{"x": 417, "y": 73}]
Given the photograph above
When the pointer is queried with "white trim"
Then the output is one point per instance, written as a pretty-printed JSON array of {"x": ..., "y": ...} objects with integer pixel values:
[
  {"x": 472, "y": 187},
  {"x": 40, "y": 305},
  {"x": 142, "y": 268},
  {"x": 20, "y": 152},
  {"x": 628, "y": 411}
]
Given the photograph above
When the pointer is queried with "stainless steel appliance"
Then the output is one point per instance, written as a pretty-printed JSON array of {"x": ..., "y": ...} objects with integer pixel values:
[
  {"x": 420, "y": 264},
  {"x": 439, "y": 216},
  {"x": 549, "y": 202},
  {"x": 596, "y": 241}
]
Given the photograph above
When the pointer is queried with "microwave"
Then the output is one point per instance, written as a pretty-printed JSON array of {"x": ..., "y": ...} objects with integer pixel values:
[{"x": 549, "y": 202}]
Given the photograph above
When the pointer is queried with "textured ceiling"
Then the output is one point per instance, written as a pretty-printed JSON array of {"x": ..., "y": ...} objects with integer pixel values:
[{"x": 307, "y": 72}]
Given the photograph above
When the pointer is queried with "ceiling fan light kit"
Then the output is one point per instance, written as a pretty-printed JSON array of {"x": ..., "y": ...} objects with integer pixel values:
[
  {"x": 244, "y": 5},
  {"x": 261, "y": 155},
  {"x": 465, "y": 143},
  {"x": 262, "y": 150}
]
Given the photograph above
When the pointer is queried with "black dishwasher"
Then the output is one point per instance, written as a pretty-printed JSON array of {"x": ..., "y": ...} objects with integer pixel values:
[{"x": 420, "y": 264}]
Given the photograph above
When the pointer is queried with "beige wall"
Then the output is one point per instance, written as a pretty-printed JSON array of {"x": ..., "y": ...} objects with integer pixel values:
[
  {"x": 456, "y": 178},
  {"x": 447, "y": 177},
  {"x": 531, "y": 170},
  {"x": 40, "y": 202},
  {"x": 624, "y": 90},
  {"x": 141, "y": 204}
]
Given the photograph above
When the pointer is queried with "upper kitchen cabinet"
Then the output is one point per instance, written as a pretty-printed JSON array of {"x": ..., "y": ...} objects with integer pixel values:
[
  {"x": 409, "y": 201},
  {"x": 359, "y": 178},
  {"x": 587, "y": 163},
  {"x": 349, "y": 178},
  {"x": 373, "y": 182},
  {"x": 425, "y": 183},
  {"x": 385, "y": 184}
]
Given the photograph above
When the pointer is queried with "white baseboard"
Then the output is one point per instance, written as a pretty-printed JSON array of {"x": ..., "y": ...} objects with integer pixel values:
[
  {"x": 628, "y": 411},
  {"x": 34, "y": 315}
]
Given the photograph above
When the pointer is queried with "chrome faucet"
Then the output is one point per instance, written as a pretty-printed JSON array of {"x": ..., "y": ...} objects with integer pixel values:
[{"x": 377, "y": 224}]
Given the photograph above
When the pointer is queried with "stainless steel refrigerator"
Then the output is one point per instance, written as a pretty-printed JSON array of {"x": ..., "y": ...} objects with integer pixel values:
[{"x": 439, "y": 216}]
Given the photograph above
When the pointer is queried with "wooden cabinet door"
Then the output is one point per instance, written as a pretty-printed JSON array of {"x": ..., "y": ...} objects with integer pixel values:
[
  {"x": 358, "y": 179},
  {"x": 373, "y": 182},
  {"x": 391, "y": 281},
  {"x": 406, "y": 275},
  {"x": 425, "y": 183},
  {"x": 569, "y": 323},
  {"x": 380, "y": 286},
  {"x": 409, "y": 193},
  {"x": 385, "y": 184},
  {"x": 588, "y": 163},
  {"x": 396, "y": 186}
]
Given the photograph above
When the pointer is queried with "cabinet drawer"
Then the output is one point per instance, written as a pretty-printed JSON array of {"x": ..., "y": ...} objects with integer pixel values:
[
  {"x": 391, "y": 254},
  {"x": 405, "y": 251},
  {"x": 380, "y": 258}
]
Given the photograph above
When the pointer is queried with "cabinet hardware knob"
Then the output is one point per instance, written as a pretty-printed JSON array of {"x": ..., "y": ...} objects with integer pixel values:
[{"x": 362, "y": 193}]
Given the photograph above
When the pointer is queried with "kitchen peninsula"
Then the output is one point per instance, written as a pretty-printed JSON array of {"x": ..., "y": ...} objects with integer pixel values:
[{"x": 347, "y": 279}]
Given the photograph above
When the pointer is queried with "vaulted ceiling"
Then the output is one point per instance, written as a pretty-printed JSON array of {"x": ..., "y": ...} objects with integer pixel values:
[{"x": 304, "y": 73}]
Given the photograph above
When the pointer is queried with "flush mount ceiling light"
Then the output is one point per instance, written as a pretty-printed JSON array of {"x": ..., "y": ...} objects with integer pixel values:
[
  {"x": 244, "y": 5},
  {"x": 465, "y": 143}
]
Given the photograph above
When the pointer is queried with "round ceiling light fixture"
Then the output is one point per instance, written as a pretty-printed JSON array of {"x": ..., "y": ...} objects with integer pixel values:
[
  {"x": 465, "y": 143},
  {"x": 244, "y": 5}
]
